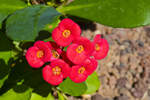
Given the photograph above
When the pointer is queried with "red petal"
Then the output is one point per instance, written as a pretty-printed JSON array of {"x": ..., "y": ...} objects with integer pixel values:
[
  {"x": 66, "y": 24},
  {"x": 97, "y": 37},
  {"x": 90, "y": 64},
  {"x": 59, "y": 38},
  {"x": 46, "y": 48},
  {"x": 76, "y": 58},
  {"x": 50, "y": 77},
  {"x": 104, "y": 47},
  {"x": 49, "y": 45},
  {"x": 63, "y": 65},
  {"x": 75, "y": 76},
  {"x": 70, "y": 25},
  {"x": 87, "y": 44},
  {"x": 32, "y": 59}
]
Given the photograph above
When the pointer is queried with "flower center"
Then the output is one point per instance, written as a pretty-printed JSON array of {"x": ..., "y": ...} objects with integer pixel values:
[
  {"x": 40, "y": 53},
  {"x": 55, "y": 54},
  {"x": 80, "y": 49},
  {"x": 97, "y": 47},
  {"x": 81, "y": 70},
  {"x": 56, "y": 70},
  {"x": 66, "y": 33}
]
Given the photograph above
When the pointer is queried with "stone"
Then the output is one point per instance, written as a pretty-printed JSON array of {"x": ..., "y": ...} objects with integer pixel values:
[{"x": 97, "y": 97}]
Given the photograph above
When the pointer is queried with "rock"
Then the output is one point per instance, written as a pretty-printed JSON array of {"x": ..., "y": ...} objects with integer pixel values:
[
  {"x": 123, "y": 97},
  {"x": 121, "y": 82},
  {"x": 123, "y": 52},
  {"x": 128, "y": 50},
  {"x": 97, "y": 97},
  {"x": 138, "y": 93},
  {"x": 122, "y": 65},
  {"x": 140, "y": 43}
]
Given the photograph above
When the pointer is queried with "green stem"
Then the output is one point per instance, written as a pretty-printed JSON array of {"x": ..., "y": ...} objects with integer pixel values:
[
  {"x": 28, "y": 3},
  {"x": 17, "y": 45}
]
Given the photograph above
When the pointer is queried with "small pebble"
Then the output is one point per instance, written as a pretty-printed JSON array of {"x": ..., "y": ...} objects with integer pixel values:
[
  {"x": 122, "y": 64},
  {"x": 121, "y": 82},
  {"x": 97, "y": 97},
  {"x": 138, "y": 93},
  {"x": 140, "y": 43},
  {"x": 123, "y": 52},
  {"x": 128, "y": 50}
]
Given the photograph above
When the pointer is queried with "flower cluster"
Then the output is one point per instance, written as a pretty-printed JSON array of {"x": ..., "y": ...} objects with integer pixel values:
[{"x": 77, "y": 63}]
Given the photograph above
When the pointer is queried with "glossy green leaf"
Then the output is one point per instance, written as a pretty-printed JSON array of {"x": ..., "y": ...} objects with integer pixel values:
[
  {"x": 39, "y": 97},
  {"x": 19, "y": 92},
  {"x": 45, "y": 34},
  {"x": 71, "y": 88},
  {"x": 7, "y": 7},
  {"x": 50, "y": 26},
  {"x": 26, "y": 23},
  {"x": 93, "y": 83},
  {"x": 115, "y": 13}
]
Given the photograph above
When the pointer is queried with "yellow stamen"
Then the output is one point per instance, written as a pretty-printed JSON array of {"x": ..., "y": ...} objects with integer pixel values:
[
  {"x": 56, "y": 70},
  {"x": 81, "y": 70},
  {"x": 55, "y": 54},
  {"x": 80, "y": 49},
  {"x": 66, "y": 33},
  {"x": 40, "y": 54},
  {"x": 97, "y": 47}
]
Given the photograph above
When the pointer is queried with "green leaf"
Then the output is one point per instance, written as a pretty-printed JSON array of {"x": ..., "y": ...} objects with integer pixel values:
[
  {"x": 48, "y": 29},
  {"x": 60, "y": 96},
  {"x": 36, "y": 96},
  {"x": 26, "y": 23},
  {"x": 50, "y": 26},
  {"x": 71, "y": 88},
  {"x": 19, "y": 92},
  {"x": 93, "y": 83},
  {"x": 5, "y": 55},
  {"x": 41, "y": 89},
  {"x": 65, "y": 48},
  {"x": 115, "y": 13},
  {"x": 31, "y": 78},
  {"x": 7, "y": 7},
  {"x": 4, "y": 68}
]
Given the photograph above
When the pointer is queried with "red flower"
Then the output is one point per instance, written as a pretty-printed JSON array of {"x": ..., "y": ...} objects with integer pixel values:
[
  {"x": 65, "y": 58},
  {"x": 56, "y": 72},
  {"x": 66, "y": 32},
  {"x": 79, "y": 50},
  {"x": 79, "y": 73},
  {"x": 90, "y": 65},
  {"x": 101, "y": 47},
  {"x": 38, "y": 54},
  {"x": 55, "y": 50}
]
